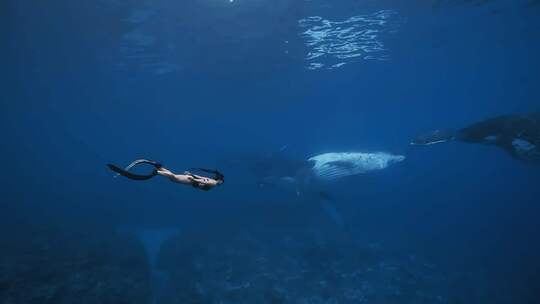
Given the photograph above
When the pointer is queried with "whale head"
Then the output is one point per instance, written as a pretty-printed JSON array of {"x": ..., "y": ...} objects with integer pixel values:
[
  {"x": 395, "y": 159},
  {"x": 433, "y": 137}
]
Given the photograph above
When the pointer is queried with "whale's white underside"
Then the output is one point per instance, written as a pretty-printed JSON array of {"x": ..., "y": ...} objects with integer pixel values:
[{"x": 335, "y": 165}]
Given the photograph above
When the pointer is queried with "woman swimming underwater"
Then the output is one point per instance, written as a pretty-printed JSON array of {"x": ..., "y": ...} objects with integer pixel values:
[{"x": 187, "y": 178}]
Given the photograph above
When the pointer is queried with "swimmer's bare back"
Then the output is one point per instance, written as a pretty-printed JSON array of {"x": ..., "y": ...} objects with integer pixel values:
[{"x": 187, "y": 178}]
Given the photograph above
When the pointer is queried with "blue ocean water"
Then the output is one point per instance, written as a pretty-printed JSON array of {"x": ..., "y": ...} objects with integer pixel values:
[{"x": 240, "y": 85}]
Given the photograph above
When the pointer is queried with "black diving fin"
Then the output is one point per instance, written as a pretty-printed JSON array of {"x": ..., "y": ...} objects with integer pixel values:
[{"x": 131, "y": 175}]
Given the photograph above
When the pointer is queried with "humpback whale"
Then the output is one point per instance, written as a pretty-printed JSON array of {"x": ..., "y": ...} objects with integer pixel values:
[
  {"x": 327, "y": 168},
  {"x": 518, "y": 134},
  {"x": 323, "y": 168},
  {"x": 310, "y": 177}
]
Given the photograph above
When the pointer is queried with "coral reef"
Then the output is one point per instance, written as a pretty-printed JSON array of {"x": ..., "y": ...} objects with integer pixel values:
[
  {"x": 246, "y": 269},
  {"x": 61, "y": 267}
]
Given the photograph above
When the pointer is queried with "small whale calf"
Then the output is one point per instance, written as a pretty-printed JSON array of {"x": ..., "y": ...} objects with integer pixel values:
[{"x": 328, "y": 167}]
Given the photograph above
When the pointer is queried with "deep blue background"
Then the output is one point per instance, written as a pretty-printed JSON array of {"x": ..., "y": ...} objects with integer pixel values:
[{"x": 67, "y": 110}]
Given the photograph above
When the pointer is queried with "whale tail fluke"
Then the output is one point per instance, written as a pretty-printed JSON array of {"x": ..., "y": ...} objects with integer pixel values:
[{"x": 434, "y": 137}]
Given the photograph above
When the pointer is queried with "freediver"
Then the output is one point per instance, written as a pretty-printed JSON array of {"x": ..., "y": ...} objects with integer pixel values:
[
  {"x": 187, "y": 178},
  {"x": 518, "y": 134}
]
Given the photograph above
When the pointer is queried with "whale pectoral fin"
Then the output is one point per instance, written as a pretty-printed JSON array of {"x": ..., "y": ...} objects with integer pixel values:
[{"x": 333, "y": 213}]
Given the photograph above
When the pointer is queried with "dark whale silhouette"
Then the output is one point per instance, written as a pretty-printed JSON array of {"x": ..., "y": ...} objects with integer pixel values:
[{"x": 518, "y": 134}]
